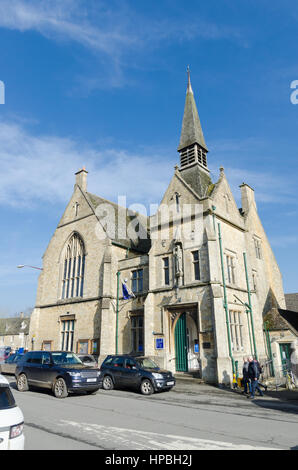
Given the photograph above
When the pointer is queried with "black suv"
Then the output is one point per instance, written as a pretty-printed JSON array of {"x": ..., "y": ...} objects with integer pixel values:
[
  {"x": 135, "y": 372},
  {"x": 60, "y": 371}
]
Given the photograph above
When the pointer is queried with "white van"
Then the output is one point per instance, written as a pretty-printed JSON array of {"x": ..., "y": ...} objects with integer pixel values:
[{"x": 11, "y": 420}]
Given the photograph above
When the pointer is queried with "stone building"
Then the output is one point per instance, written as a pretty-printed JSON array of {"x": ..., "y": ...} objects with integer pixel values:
[
  {"x": 202, "y": 272},
  {"x": 14, "y": 332},
  {"x": 281, "y": 326}
]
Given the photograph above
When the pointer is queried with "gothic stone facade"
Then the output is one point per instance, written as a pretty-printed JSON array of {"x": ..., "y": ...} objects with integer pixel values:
[{"x": 190, "y": 309}]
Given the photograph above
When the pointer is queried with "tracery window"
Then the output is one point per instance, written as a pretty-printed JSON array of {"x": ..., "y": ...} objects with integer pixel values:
[{"x": 73, "y": 268}]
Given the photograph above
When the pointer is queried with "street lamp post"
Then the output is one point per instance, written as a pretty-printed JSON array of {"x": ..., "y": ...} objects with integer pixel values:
[{"x": 28, "y": 266}]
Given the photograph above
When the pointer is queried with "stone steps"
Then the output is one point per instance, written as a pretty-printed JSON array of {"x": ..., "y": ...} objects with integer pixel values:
[{"x": 188, "y": 377}]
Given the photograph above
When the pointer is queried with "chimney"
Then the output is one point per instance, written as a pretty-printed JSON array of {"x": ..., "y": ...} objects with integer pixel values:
[
  {"x": 21, "y": 315},
  {"x": 247, "y": 197},
  {"x": 81, "y": 179}
]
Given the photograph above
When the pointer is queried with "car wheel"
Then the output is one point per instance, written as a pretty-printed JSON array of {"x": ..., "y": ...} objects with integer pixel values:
[
  {"x": 146, "y": 387},
  {"x": 22, "y": 383},
  {"x": 60, "y": 388},
  {"x": 108, "y": 383}
]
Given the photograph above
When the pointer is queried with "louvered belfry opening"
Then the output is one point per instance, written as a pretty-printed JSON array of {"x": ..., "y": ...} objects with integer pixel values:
[
  {"x": 193, "y": 154},
  {"x": 188, "y": 156}
]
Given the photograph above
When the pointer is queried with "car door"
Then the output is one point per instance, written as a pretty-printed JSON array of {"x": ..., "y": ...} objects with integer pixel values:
[
  {"x": 34, "y": 369},
  {"x": 131, "y": 374},
  {"x": 46, "y": 371},
  {"x": 117, "y": 370}
]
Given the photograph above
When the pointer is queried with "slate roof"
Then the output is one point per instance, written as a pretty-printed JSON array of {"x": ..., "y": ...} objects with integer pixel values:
[
  {"x": 122, "y": 213},
  {"x": 292, "y": 302},
  {"x": 198, "y": 180},
  {"x": 191, "y": 126},
  {"x": 14, "y": 326},
  {"x": 275, "y": 321},
  {"x": 291, "y": 318}
]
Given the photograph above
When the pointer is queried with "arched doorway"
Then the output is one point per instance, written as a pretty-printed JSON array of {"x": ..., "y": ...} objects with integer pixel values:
[{"x": 181, "y": 350}]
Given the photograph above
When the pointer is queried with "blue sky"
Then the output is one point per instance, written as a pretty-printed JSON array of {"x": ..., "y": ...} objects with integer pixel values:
[{"x": 102, "y": 84}]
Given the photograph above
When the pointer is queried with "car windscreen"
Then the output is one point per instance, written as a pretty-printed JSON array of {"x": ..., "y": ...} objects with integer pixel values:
[
  {"x": 146, "y": 363},
  {"x": 65, "y": 358},
  {"x": 6, "y": 398}
]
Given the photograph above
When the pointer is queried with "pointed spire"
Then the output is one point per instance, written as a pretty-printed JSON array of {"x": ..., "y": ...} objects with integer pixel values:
[
  {"x": 189, "y": 88},
  {"x": 191, "y": 126}
]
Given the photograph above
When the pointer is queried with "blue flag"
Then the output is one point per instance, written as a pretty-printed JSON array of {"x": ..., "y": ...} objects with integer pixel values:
[{"x": 126, "y": 294}]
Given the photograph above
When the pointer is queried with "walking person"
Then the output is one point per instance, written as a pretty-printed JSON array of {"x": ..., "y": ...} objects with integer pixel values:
[
  {"x": 254, "y": 374},
  {"x": 246, "y": 381},
  {"x": 260, "y": 373}
]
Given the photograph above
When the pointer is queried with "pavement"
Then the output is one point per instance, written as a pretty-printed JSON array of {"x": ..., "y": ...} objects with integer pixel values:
[{"x": 281, "y": 399}]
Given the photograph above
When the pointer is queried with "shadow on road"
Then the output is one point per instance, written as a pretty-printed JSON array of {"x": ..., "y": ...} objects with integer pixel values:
[{"x": 281, "y": 400}]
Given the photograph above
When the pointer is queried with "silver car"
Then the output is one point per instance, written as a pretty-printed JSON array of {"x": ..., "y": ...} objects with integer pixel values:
[{"x": 9, "y": 365}]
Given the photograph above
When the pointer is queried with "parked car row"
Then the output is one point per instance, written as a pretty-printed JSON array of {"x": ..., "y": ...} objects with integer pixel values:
[{"x": 65, "y": 372}]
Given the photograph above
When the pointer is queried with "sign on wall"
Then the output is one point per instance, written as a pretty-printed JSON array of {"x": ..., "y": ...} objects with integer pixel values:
[{"x": 159, "y": 343}]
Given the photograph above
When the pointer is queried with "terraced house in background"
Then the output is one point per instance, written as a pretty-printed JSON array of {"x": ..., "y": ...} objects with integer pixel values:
[{"x": 198, "y": 303}]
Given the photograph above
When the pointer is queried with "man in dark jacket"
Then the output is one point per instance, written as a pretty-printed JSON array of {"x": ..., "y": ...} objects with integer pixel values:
[
  {"x": 246, "y": 381},
  {"x": 254, "y": 374}
]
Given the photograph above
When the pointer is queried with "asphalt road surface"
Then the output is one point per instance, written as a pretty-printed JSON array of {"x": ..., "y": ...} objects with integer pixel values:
[{"x": 190, "y": 417}]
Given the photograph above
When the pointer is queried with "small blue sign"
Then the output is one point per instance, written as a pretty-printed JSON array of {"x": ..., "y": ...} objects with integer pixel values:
[
  {"x": 159, "y": 343},
  {"x": 196, "y": 348}
]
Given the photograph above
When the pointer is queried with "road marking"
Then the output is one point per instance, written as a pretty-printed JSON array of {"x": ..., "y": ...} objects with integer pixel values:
[{"x": 122, "y": 438}]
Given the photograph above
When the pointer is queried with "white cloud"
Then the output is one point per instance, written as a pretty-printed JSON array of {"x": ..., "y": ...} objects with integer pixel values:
[
  {"x": 40, "y": 169},
  {"x": 268, "y": 187},
  {"x": 67, "y": 19},
  {"x": 113, "y": 30}
]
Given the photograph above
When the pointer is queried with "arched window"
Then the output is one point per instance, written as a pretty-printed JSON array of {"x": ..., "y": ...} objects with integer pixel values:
[{"x": 73, "y": 268}]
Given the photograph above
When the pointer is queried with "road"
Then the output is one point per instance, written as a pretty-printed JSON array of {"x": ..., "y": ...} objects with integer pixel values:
[{"x": 187, "y": 418}]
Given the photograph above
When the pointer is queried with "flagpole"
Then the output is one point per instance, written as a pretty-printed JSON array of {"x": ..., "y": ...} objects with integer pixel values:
[{"x": 117, "y": 309}]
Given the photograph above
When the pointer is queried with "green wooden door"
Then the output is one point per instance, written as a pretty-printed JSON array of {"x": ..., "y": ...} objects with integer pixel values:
[
  {"x": 181, "y": 344},
  {"x": 285, "y": 353}
]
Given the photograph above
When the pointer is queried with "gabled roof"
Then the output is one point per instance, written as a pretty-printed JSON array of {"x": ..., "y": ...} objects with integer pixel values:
[
  {"x": 124, "y": 214},
  {"x": 14, "y": 326},
  {"x": 292, "y": 302},
  {"x": 191, "y": 126}
]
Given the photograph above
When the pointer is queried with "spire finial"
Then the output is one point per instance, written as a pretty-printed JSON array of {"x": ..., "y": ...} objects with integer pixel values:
[{"x": 189, "y": 89}]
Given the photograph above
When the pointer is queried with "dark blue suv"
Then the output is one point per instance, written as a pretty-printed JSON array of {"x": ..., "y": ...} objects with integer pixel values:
[
  {"x": 60, "y": 371},
  {"x": 140, "y": 373}
]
